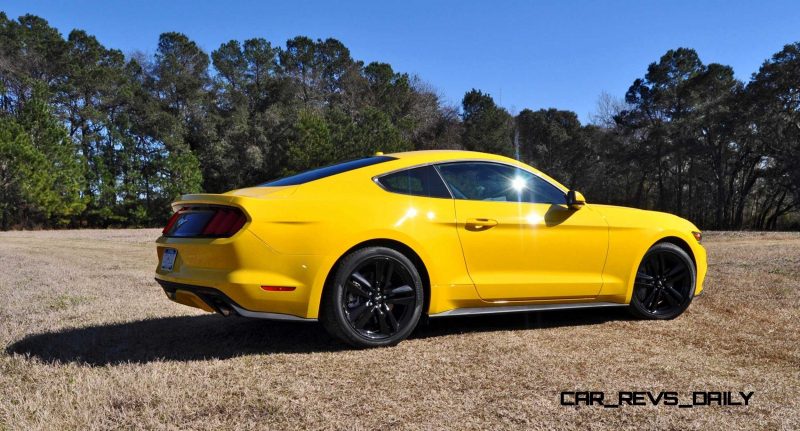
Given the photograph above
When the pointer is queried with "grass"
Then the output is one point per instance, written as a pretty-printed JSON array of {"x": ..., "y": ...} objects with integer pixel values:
[{"x": 91, "y": 342}]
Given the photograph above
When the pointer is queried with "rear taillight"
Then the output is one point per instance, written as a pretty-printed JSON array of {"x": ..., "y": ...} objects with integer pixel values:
[
  {"x": 171, "y": 221},
  {"x": 205, "y": 222},
  {"x": 224, "y": 222}
]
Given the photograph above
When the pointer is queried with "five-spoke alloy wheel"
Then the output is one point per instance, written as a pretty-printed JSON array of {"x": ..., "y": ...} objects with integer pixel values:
[
  {"x": 665, "y": 283},
  {"x": 376, "y": 298}
]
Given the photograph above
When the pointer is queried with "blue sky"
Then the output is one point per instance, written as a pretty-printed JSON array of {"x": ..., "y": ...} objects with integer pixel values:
[{"x": 531, "y": 54}]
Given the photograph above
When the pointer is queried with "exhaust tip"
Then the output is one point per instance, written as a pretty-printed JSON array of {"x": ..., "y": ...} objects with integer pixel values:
[
  {"x": 219, "y": 305},
  {"x": 225, "y": 311}
]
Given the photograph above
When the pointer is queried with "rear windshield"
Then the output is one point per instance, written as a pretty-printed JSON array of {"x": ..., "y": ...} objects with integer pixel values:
[{"x": 327, "y": 171}]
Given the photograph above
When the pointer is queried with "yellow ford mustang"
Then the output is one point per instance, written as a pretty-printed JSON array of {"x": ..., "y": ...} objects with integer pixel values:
[{"x": 369, "y": 246}]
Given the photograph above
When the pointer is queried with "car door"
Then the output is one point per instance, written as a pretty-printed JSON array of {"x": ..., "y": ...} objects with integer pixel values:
[{"x": 520, "y": 239}]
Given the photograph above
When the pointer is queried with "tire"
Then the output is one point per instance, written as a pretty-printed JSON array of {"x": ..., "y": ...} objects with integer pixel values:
[
  {"x": 665, "y": 283},
  {"x": 376, "y": 298}
]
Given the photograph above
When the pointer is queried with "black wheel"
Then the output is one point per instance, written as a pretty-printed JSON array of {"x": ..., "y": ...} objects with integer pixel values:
[
  {"x": 665, "y": 283},
  {"x": 375, "y": 300}
]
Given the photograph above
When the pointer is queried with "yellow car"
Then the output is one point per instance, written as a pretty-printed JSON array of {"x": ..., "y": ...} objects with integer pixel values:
[{"x": 370, "y": 245}]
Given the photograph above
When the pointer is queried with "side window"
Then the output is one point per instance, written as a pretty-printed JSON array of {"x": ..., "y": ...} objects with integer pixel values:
[
  {"x": 421, "y": 181},
  {"x": 540, "y": 191},
  {"x": 496, "y": 182}
]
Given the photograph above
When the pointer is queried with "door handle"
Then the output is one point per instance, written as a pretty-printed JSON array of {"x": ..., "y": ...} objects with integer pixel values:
[{"x": 480, "y": 223}]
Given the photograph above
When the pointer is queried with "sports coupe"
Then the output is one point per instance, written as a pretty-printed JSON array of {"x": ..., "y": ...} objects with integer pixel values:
[{"x": 369, "y": 246}]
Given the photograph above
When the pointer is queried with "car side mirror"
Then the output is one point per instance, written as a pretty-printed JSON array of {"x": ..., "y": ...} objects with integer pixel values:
[{"x": 575, "y": 200}]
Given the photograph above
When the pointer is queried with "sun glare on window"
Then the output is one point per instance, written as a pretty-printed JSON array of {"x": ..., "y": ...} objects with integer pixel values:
[{"x": 518, "y": 184}]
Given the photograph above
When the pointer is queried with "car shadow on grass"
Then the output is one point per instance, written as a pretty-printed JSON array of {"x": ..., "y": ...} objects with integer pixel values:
[
  {"x": 520, "y": 321},
  {"x": 194, "y": 338}
]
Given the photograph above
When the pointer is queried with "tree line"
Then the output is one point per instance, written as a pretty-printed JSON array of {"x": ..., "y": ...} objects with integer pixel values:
[{"x": 93, "y": 137}]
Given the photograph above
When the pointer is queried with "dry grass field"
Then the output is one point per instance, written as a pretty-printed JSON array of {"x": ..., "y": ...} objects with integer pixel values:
[{"x": 89, "y": 341}]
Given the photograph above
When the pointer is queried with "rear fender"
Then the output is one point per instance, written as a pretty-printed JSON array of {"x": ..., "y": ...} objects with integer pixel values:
[{"x": 315, "y": 297}]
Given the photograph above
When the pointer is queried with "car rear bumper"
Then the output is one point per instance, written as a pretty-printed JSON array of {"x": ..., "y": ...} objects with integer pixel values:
[
  {"x": 211, "y": 299},
  {"x": 242, "y": 269}
]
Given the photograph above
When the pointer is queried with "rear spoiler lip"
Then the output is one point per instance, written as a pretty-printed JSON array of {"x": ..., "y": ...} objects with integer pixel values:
[
  {"x": 238, "y": 198},
  {"x": 208, "y": 199}
]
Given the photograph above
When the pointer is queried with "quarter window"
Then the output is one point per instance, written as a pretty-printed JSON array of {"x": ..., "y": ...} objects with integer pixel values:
[
  {"x": 421, "y": 181},
  {"x": 497, "y": 182}
]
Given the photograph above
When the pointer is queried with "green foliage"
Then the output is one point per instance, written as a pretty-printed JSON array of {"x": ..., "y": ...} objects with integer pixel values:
[
  {"x": 487, "y": 127},
  {"x": 42, "y": 173},
  {"x": 311, "y": 145},
  {"x": 687, "y": 126},
  {"x": 90, "y": 137},
  {"x": 370, "y": 132},
  {"x": 23, "y": 180},
  {"x": 64, "y": 171},
  {"x": 774, "y": 112},
  {"x": 556, "y": 141}
]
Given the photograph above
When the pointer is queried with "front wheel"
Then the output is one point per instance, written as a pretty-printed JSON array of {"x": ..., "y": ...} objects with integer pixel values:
[
  {"x": 665, "y": 283},
  {"x": 375, "y": 300}
]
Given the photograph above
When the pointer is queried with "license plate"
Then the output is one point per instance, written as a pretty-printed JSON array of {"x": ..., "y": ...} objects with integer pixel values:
[{"x": 168, "y": 259}]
